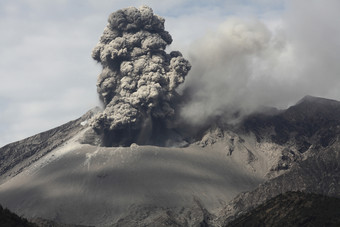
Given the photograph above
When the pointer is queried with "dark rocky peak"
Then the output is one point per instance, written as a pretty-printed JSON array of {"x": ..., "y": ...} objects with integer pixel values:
[
  {"x": 318, "y": 100},
  {"x": 312, "y": 121},
  {"x": 314, "y": 108}
]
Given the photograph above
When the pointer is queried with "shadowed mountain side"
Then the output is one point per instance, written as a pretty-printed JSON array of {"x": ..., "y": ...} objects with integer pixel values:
[
  {"x": 9, "y": 219},
  {"x": 317, "y": 174},
  {"x": 83, "y": 184},
  {"x": 293, "y": 209},
  {"x": 196, "y": 215},
  {"x": 39, "y": 222},
  {"x": 312, "y": 121},
  {"x": 14, "y": 157}
]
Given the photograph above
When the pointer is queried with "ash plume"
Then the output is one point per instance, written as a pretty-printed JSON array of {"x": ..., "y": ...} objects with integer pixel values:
[
  {"x": 247, "y": 64},
  {"x": 138, "y": 81}
]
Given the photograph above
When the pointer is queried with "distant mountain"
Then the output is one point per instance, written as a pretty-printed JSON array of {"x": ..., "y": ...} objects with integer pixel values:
[
  {"x": 221, "y": 173},
  {"x": 312, "y": 121},
  {"x": 293, "y": 209}
]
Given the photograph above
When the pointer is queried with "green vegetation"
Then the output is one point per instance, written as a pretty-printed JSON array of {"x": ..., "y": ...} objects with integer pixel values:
[{"x": 293, "y": 209}]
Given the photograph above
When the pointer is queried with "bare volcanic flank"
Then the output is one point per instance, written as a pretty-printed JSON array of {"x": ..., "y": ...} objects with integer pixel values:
[{"x": 138, "y": 81}]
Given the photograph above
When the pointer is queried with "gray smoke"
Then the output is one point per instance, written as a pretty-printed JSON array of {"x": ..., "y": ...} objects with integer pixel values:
[
  {"x": 246, "y": 64},
  {"x": 227, "y": 65},
  {"x": 138, "y": 81}
]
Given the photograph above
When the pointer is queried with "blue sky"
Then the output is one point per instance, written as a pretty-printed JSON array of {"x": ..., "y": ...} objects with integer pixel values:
[{"x": 48, "y": 77}]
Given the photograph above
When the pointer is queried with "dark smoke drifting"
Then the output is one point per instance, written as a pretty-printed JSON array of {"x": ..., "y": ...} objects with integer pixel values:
[{"x": 138, "y": 81}]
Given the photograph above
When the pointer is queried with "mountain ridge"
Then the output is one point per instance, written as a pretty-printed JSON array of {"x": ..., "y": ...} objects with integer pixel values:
[
  {"x": 18, "y": 155},
  {"x": 317, "y": 174},
  {"x": 262, "y": 155}
]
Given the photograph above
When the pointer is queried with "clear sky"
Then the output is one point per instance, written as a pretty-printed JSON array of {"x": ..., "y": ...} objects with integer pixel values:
[{"x": 47, "y": 75}]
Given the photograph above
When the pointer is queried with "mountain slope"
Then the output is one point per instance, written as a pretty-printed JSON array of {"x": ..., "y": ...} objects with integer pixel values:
[
  {"x": 9, "y": 219},
  {"x": 293, "y": 209},
  {"x": 317, "y": 174},
  {"x": 89, "y": 185},
  {"x": 63, "y": 175},
  {"x": 16, "y": 156},
  {"x": 312, "y": 121}
]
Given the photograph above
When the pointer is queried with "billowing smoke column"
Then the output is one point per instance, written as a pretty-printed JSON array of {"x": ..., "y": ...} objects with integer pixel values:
[{"x": 138, "y": 81}]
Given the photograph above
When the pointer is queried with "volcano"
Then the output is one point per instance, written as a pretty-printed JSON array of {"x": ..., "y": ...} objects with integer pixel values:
[{"x": 64, "y": 175}]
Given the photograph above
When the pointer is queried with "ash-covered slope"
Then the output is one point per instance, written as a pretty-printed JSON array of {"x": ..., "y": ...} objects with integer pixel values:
[
  {"x": 76, "y": 182},
  {"x": 314, "y": 125},
  {"x": 84, "y": 184},
  {"x": 317, "y": 174},
  {"x": 16, "y": 156},
  {"x": 313, "y": 169}
]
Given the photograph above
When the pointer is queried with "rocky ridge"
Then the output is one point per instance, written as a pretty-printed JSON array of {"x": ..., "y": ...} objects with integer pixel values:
[
  {"x": 310, "y": 131},
  {"x": 289, "y": 150},
  {"x": 14, "y": 157}
]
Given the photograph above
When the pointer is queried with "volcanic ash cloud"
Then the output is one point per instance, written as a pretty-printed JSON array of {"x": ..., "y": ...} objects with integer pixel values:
[{"x": 138, "y": 81}]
